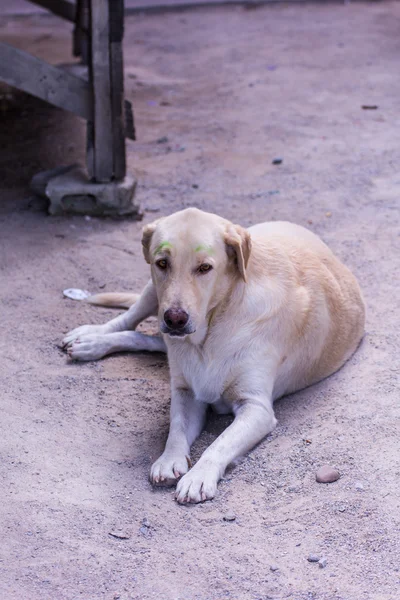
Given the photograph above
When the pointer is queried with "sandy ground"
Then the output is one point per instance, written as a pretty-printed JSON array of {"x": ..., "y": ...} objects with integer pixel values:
[{"x": 231, "y": 89}]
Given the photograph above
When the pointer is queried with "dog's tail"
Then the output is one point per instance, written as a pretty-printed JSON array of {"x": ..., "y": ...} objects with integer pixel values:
[{"x": 115, "y": 299}]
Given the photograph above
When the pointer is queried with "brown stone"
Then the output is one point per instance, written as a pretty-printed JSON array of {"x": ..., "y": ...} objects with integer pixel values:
[{"x": 327, "y": 474}]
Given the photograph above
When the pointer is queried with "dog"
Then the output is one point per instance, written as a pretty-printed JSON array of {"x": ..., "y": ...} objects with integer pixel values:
[{"x": 246, "y": 316}]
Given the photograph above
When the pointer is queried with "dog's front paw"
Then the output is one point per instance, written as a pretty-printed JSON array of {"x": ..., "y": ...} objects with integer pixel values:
[
  {"x": 199, "y": 485},
  {"x": 89, "y": 347},
  {"x": 169, "y": 468},
  {"x": 81, "y": 331}
]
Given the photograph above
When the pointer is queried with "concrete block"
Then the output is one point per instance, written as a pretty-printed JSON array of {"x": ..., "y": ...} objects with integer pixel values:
[{"x": 69, "y": 190}]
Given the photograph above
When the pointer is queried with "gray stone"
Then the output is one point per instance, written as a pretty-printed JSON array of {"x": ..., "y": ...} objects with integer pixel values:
[
  {"x": 327, "y": 474},
  {"x": 229, "y": 517},
  {"x": 69, "y": 190},
  {"x": 146, "y": 522},
  {"x": 40, "y": 180},
  {"x": 145, "y": 528},
  {"x": 313, "y": 558},
  {"x": 293, "y": 489},
  {"x": 322, "y": 562}
]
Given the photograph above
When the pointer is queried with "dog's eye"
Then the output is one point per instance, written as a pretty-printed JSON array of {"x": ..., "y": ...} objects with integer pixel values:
[
  {"x": 162, "y": 264},
  {"x": 204, "y": 268}
]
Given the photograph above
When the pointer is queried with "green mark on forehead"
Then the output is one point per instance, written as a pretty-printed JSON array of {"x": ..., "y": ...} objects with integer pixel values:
[
  {"x": 161, "y": 247},
  {"x": 207, "y": 249}
]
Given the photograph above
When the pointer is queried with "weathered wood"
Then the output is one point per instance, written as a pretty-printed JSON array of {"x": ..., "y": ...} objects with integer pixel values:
[
  {"x": 117, "y": 86},
  {"x": 101, "y": 82},
  {"x": 117, "y": 104},
  {"x": 52, "y": 84},
  {"x": 61, "y": 8},
  {"x": 81, "y": 31},
  {"x": 129, "y": 121},
  {"x": 90, "y": 150}
]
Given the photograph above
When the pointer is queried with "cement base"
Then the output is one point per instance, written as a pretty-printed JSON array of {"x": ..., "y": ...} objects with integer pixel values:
[{"x": 70, "y": 191}]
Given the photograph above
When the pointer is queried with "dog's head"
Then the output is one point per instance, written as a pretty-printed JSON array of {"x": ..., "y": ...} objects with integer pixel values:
[{"x": 195, "y": 259}]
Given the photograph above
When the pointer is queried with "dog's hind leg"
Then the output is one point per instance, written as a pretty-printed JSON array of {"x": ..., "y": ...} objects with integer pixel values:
[
  {"x": 94, "y": 346},
  {"x": 145, "y": 306}
]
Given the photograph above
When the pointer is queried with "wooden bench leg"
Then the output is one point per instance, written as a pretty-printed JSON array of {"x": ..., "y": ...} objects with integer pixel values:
[{"x": 106, "y": 139}]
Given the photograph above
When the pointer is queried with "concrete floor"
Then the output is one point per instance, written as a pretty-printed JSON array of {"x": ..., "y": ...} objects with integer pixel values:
[{"x": 230, "y": 89}]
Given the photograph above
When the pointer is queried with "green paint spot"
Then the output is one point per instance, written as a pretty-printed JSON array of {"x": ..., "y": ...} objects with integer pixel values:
[
  {"x": 161, "y": 247},
  {"x": 207, "y": 249}
]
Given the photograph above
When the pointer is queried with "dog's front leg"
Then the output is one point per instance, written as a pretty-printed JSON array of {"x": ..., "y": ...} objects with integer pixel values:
[
  {"x": 186, "y": 422},
  {"x": 254, "y": 419},
  {"x": 90, "y": 342}
]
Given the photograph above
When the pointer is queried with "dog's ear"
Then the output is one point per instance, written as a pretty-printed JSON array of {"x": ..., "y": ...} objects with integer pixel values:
[
  {"x": 148, "y": 231},
  {"x": 238, "y": 244}
]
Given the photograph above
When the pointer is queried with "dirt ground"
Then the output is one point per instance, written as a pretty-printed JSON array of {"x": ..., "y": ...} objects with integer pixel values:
[{"x": 230, "y": 89}]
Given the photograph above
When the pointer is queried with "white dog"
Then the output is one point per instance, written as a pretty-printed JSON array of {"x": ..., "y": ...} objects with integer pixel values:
[{"x": 246, "y": 316}]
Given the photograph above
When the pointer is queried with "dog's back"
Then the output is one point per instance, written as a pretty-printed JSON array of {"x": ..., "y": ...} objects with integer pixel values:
[{"x": 324, "y": 288}]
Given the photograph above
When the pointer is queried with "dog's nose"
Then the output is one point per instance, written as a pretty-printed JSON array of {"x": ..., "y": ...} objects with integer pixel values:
[{"x": 176, "y": 318}]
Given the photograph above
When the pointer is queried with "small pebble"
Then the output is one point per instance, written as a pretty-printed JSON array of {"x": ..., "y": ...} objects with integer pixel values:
[
  {"x": 277, "y": 161},
  {"x": 327, "y": 474},
  {"x": 293, "y": 488},
  {"x": 328, "y": 214},
  {"x": 274, "y": 568},
  {"x": 359, "y": 486},
  {"x": 322, "y": 562},
  {"x": 145, "y": 528},
  {"x": 313, "y": 558},
  {"x": 163, "y": 140},
  {"x": 229, "y": 517}
]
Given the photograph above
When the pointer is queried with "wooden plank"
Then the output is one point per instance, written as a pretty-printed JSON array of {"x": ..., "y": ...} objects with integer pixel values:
[
  {"x": 52, "y": 84},
  {"x": 61, "y": 8},
  {"x": 99, "y": 69}
]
